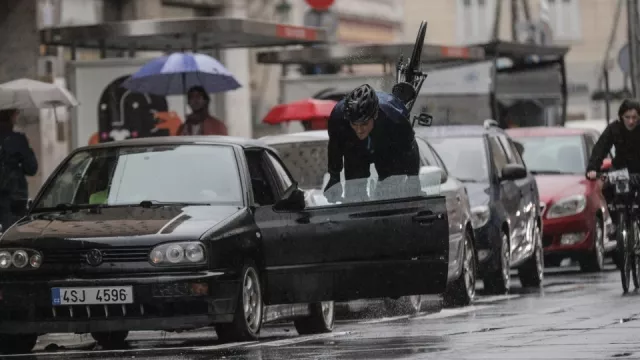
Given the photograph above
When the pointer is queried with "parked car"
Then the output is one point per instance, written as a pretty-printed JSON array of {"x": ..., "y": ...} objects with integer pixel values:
[
  {"x": 575, "y": 216},
  {"x": 504, "y": 201},
  {"x": 305, "y": 154},
  {"x": 184, "y": 232}
]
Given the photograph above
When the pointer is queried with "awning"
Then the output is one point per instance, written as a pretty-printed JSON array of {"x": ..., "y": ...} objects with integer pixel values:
[
  {"x": 202, "y": 33},
  {"x": 369, "y": 54}
]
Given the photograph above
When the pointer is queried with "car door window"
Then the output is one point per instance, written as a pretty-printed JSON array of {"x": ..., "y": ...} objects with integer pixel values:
[
  {"x": 281, "y": 173},
  {"x": 516, "y": 153},
  {"x": 263, "y": 193},
  {"x": 424, "y": 153},
  {"x": 439, "y": 161},
  {"x": 498, "y": 154},
  {"x": 511, "y": 155}
]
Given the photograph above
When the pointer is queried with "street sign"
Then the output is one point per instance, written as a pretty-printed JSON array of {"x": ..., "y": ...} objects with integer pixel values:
[
  {"x": 623, "y": 59},
  {"x": 327, "y": 20},
  {"x": 320, "y": 5}
]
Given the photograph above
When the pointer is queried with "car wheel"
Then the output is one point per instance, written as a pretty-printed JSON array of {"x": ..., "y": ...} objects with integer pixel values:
[
  {"x": 17, "y": 344},
  {"x": 594, "y": 261},
  {"x": 531, "y": 273},
  {"x": 463, "y": 290},
  {"x": 320, "y": 321},
  {"x": 111, "y": 340},
  {"x": 498, "y": 281},
  {"x": 247, "y": 319}
]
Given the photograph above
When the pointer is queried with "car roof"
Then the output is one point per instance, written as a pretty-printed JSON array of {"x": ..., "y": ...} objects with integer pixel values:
[
  {"x": 171, "y": 140},
  {"x": 299, "y": 137},
  {"x": 546, "y": 131},
  {"x": 456, "y": 131}
]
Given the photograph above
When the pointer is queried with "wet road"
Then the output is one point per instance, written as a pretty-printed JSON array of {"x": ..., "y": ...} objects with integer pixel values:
[{"x": 577, "y": 316}]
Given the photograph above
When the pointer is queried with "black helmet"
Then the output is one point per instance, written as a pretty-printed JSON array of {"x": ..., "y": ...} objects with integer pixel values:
[{"x": 361, "y": 104}]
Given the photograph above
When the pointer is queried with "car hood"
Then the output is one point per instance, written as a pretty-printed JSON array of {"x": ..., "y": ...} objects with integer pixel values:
[
  {"x": 554, "y": 187},
  {"x": 137, "y": 225},
  {"x": 478, "y": 193}
]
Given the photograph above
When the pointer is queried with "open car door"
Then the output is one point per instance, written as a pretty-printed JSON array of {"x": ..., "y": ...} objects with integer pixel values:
[{"x": 373, "y": 249}]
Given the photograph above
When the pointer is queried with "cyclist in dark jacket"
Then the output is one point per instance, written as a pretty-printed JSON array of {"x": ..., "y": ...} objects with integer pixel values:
[
  {"x": 624, "y": 134},
  {"x": 370, "y": 127}
]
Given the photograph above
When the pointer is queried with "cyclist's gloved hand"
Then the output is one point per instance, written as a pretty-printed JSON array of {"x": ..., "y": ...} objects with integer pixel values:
[{"x": 333, "y": 190}]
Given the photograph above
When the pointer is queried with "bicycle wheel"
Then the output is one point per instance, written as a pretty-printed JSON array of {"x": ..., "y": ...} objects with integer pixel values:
[
  {"x": 416, "y": 54},
  {"x": 622, "y": 240},
  {"x": 635, "y": 259}
]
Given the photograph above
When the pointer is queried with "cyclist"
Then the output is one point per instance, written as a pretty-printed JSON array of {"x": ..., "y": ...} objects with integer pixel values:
[
  {"x": 624, "y": 134},
  {"x": 370, "y": 127}
]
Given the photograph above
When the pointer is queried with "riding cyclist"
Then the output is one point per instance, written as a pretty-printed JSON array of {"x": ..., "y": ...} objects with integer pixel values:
[
  {"x": 624, "y": 134},
  {"x": 371, "y": 127}
]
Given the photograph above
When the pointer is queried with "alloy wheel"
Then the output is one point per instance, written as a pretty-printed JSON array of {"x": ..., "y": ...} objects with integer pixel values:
[{"x": 252, "y": 300}]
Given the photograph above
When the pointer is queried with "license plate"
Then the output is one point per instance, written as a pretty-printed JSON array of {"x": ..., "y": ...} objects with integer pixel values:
[{"x": 92, "y": 295}]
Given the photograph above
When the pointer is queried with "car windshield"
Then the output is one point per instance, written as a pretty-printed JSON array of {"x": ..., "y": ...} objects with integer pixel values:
[
  {"x": 554, "y": 154},
  {"x": 464, "y": 157},
  {"x": 198, "y": 174}
]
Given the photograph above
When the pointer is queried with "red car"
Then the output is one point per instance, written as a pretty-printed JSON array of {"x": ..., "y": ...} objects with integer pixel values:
[{"x": 575, "y": 216}]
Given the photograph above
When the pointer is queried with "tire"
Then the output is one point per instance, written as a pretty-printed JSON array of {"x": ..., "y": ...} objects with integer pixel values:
[
  {"x": 594, "y": 261},
  {"x": 405, "y": 305},
  {"x": 111, "y": 340},
  {"x": 622, "y": 244},
  {"x": 635, "y": 264},
  {"x": 11, "y": 344},
  {"x": 320, "y": 321},
  {"x": 416, "y": 54},
  {"x": 498, "y": 281},
  {"x": 463, "y": 290},
  {"x": 531, "y": 273},
  {"x": 247, "y": 320}
]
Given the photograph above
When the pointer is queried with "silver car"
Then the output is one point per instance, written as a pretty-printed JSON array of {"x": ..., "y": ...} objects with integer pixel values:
[{"x": 305, "y": 154}]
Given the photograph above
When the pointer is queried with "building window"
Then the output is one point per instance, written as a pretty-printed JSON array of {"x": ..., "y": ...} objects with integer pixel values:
[
  {"x": 475, "y": 20},
  {"x": 564, "y": 19}
]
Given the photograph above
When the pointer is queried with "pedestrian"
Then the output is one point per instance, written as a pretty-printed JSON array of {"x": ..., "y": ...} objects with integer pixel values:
[
  {"x": 17, "y": 160},
  {"x": 200, "y": 121}
]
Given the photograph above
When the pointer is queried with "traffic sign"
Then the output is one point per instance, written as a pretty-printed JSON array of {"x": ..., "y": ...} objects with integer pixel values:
[
  {"x": 327, "y": 20},
  {"x": 320, "y": 5}
]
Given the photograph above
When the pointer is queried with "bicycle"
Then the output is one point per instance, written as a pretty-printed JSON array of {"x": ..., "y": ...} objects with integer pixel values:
[{"x": 627, "y": 194}]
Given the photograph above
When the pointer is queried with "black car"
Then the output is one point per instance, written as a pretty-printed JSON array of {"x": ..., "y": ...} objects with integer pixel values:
[
  {"x": 177, "y": 233},
  {"x": 504, "y": 199}
]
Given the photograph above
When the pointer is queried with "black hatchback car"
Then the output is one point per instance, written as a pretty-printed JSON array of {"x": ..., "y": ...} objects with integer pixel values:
[
  {"x": 175, "y": 233},
  {"x": 504, "y": 200}
]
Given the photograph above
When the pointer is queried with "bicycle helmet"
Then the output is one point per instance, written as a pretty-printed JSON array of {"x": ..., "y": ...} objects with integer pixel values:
[{"x": 361, "y": 105}]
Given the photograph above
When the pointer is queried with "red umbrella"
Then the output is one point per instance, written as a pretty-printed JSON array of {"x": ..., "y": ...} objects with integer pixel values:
[{"x": 303, "y": 110}]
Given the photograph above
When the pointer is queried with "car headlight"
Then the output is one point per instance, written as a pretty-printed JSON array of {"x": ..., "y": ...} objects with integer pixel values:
[
  {"x": 567, "y": 206},
  {"x": 16, "y": 259},
  {"x": 481, "y": 215},
  {"x": 178, "y": 253}
]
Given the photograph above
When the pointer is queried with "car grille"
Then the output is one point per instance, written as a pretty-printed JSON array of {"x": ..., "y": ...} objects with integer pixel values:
[
  {"x": 547, "y": 240},
  {"x": 112, "y": 254}
]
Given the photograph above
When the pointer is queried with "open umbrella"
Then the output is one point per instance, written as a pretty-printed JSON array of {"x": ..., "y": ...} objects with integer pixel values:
[
  {"x": 32, "y": 94},
  {"x": 176, "y": 73},
  {"x": 302, "y": 110}
]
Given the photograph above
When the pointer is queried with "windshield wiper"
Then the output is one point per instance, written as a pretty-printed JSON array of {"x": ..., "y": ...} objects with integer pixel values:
[
  {"x": 150, "y": 203},
  {"x": 549, "y": 172},
  {"x": 68, "y": 207},
  {"x": 470, "y": 180}
]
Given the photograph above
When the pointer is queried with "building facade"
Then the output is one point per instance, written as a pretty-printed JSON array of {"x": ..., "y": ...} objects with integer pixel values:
[{"x": 583, "y": 25}]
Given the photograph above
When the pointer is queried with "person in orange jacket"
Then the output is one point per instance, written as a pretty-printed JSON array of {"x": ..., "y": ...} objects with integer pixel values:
[{"x": 200, "y": 121}]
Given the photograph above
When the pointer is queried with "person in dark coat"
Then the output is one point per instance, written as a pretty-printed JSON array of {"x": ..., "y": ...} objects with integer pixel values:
[{"x": 17, "y": 160}]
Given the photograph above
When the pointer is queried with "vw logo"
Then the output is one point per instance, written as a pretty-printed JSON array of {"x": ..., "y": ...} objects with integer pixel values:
[{"x": 94, "y": 257}]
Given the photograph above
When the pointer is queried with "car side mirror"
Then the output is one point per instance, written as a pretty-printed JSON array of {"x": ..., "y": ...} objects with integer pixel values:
[
  {"x": 606, "y": 164},
  {"x": 292, "y": 200},
  {"x": 432, "y": 176},
  {"x": 513, "y": 172}
]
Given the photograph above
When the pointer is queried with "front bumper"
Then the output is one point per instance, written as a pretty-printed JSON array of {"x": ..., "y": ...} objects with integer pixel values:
[
  {"x": 576, "y": 231},
  {"x": 161, "y": 302}
]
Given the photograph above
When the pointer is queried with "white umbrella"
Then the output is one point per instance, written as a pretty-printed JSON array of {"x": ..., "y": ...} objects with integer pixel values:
[{"x": 32, "y": 94}]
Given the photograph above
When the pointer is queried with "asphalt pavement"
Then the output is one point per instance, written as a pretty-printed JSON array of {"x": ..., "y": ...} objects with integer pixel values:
[{"x": 575, "y": 316}]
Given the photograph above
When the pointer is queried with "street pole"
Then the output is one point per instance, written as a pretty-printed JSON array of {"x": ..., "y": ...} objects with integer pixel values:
[
  {"x": 632, "y": 31},
  {"x": 514, "y": 20}
]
